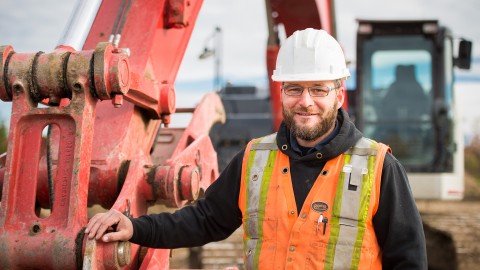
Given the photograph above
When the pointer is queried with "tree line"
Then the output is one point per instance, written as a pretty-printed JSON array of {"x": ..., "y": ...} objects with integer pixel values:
[{"x": 3, "y": 138}]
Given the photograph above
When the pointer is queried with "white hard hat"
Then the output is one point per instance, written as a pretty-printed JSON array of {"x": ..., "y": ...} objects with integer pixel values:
[{"x": 310, "y": 55}]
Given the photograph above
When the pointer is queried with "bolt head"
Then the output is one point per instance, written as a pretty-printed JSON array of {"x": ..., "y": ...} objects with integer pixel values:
[{"x": 117, "y": 101}]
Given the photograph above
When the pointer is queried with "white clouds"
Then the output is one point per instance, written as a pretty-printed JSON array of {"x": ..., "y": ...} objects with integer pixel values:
[
  {"x": 30, "y": 25},
  {"x": 462, "y": 18},
  {"x": 244, "y": 33}
]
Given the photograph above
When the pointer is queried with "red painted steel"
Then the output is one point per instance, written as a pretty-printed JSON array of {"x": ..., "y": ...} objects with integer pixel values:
[
  {"x": 102, "y": 152},
  {"x": 107, "y": 152},
  {"x": 187, "y": 156},
  {"x": 275, "y": 87},
  {"x": 3, "y": 158},
  {"x": 28, "y": 239},
  {"x": 121, "y": 162}
]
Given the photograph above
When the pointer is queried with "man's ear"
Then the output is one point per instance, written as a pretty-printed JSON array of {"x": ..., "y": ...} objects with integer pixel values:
[{"x": 341, "y": 93}]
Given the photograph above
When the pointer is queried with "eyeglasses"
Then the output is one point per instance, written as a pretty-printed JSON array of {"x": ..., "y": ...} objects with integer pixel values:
[{"x": 314, "y": 91}]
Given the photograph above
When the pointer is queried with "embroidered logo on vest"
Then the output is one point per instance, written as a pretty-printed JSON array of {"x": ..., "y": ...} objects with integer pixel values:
[{"x": 319, "y": 207}]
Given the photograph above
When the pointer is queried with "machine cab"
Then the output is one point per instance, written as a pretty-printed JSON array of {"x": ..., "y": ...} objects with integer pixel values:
[{"x": 405, "y": 97}]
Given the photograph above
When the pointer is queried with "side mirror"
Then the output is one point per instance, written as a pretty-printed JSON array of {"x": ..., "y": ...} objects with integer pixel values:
[{"x": 464, "y": 58}]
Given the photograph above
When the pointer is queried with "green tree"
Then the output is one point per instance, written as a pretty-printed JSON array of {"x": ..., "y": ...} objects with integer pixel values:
[{"x": 3, "y": 138}]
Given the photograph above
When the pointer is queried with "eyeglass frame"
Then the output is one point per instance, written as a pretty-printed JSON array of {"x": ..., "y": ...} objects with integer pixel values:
[{"x": 310, "y": 87}]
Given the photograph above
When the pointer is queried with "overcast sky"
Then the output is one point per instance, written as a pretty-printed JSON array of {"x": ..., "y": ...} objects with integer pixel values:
[
  {"x": 32, "y": 25},
  {"x": 245, "y": 30}
]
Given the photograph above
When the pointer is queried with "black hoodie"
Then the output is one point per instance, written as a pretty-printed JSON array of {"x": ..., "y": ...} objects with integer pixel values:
[{"x": 397, "y": 223}]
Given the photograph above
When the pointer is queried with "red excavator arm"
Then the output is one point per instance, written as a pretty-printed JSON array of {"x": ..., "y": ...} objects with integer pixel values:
[
  {"x": 69, "y": 147},
  {"x": 81, "y": 149}
]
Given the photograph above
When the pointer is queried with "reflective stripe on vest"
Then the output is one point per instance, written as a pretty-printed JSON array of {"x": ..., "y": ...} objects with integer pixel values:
[
  {"x": 262, "y": 154},
  {"x": 353, "y": 192},
  {"x": 349, "y": 210}
]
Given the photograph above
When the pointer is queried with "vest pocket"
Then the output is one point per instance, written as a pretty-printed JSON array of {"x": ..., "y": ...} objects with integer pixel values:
[
  {"x": 256, "y": 227},
  {"x": 316, "y": 243},
  {"x": 260, "y": 233},
  {"x": 349, "y": 246}
]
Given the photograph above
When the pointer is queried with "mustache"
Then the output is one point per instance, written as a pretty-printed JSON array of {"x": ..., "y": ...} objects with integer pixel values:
[{"x": 306, "y": 110}]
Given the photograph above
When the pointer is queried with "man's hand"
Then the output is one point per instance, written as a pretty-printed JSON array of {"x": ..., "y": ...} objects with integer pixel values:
[{"x": 100, "y": 223}]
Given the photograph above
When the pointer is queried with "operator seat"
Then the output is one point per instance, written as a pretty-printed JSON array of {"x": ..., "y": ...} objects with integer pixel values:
[
  {"x": 404, "y": 109},
  {"x": 405, "y": 98}
]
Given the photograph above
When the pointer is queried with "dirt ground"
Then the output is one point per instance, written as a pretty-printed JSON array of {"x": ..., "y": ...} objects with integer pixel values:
[{"x": 456, "y": 226}]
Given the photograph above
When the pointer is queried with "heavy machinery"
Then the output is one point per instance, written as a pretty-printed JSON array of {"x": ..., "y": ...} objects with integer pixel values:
[
  {"x": 405, "y": 98},
  {"x": 69, "y": 148},
  {"x": 85, "y": 130}
]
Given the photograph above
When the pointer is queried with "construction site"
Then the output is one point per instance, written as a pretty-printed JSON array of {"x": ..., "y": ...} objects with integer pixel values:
[{"x": 92, "y": 127}]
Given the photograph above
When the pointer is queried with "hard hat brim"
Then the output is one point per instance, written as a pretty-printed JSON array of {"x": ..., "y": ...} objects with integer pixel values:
[{"x": 310, "y": 77}]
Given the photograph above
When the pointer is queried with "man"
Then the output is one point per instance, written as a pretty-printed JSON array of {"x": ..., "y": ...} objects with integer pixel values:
[{"x": 316, "y": 195}]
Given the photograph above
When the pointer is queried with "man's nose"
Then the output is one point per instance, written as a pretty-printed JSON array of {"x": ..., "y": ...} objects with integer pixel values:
[{"x": 305, "y": 99}]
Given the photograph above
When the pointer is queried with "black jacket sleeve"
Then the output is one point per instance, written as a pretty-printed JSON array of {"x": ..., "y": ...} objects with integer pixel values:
[
  {"x": 212, "y": 218},
  {"x": 397, "y": 223}
]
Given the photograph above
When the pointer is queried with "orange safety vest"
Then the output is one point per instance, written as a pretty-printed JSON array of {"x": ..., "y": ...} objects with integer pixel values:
[{"x": 334, "y": 228}]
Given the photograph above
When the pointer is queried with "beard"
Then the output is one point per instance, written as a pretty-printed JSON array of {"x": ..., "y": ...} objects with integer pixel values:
[{"x": 306, "y": 133}]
